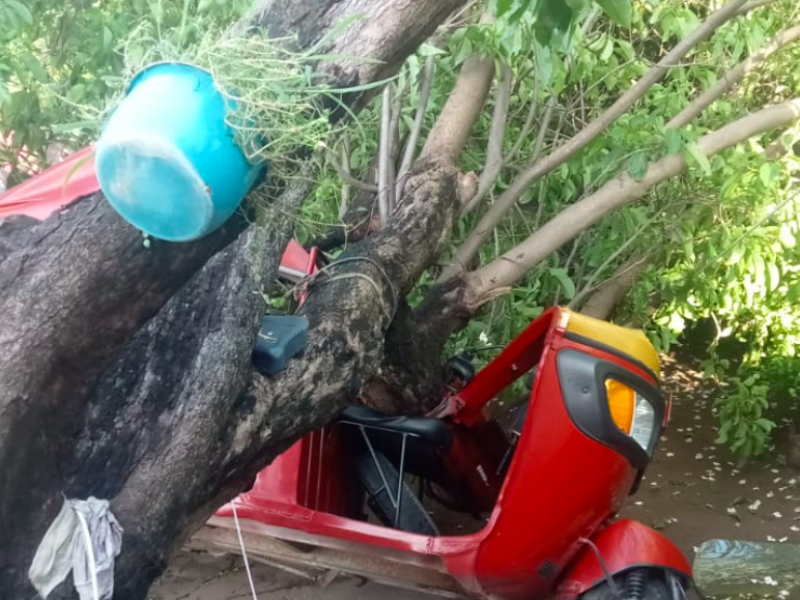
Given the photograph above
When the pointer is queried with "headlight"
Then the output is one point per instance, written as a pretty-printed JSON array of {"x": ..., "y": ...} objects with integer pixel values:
[{"x": 631, "y": 412}]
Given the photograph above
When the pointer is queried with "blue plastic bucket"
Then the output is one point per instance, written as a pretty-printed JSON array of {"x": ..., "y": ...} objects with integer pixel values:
[{"x": 166, "y": 159}]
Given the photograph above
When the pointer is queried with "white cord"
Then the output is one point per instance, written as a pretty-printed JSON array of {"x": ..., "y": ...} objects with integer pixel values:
[
  {"x": 244, "y": 551},
  {"x": 90, "y": 554}
]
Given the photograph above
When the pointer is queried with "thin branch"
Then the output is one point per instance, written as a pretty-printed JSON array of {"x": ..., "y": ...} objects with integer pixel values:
[
  {"x": 623, "y": 189},
  {"x": 537, "y": 170},
  {"x": 552, "y": 101},
  {"x": 494, "y": 148},
  {"x": 568, "y": 263},
  {"x": 733, "y": 77},
  {"x": 384, "y": 157},
  {"x": 419, "y": 119},
  {"x": 394, "y": 141},
  {"x": 527, "y": 127},
  {"x": 538, "y": 145},
  {"x": 588, "y": 288},
  {"x": 346, "y": 187},
  {"x": 333, "y": 159}
]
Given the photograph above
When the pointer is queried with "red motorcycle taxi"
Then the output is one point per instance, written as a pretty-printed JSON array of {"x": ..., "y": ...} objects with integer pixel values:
[{"x": 459, "y": 504}]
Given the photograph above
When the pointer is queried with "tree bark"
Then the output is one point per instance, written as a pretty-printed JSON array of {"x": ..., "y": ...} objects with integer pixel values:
[
  {"x": 73, "y": 292},
  {"x": 602, "y": 302},
  {"x": 179, "y": 424}
]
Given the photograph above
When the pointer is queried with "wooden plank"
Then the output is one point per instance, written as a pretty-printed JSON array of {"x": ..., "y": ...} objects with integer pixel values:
[
  {"x": 728, "y": 568},
  {"x": 376, "y": 567}
]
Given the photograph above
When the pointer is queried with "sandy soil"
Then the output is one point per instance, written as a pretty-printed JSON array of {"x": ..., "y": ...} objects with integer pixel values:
[{"x": 693, "y": 492}]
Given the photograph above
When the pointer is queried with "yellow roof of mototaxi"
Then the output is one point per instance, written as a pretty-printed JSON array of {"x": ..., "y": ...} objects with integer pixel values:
[{"x": 632, "y": 342}]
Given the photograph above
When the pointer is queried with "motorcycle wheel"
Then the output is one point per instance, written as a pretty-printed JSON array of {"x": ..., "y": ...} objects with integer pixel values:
[
  {"x": 413, "y": 516},
  {"x": 638, "y": 584}
]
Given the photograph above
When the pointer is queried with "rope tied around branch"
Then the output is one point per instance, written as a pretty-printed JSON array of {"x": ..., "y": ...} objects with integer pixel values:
[{"x": 389, "y": 311}]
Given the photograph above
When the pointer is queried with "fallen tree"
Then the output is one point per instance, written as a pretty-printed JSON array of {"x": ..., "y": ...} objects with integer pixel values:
[{"x": 126, "y": 371}]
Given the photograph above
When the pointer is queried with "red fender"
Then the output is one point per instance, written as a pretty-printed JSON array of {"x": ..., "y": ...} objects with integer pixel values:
[{"x": 622, "y": 545}]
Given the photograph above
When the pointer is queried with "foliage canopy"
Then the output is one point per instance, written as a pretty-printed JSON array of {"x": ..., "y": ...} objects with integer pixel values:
[{"x": 718, "y": 244}]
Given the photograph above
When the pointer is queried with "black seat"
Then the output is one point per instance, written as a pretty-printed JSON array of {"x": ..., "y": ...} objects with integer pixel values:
[{"x": 434, "y": 431}]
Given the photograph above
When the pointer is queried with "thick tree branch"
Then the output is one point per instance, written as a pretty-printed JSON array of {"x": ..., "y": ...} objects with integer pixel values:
[
  {"x": 384, "y": 28},
  {"x": 733, "y": 77},
  {"x": 601, "y": 303},
  {"x": 507, "y": 269},
  {"x": 149, "y": 415},
  {"x": 451, "y": 130},
  {"x": 535, "y": 171}
]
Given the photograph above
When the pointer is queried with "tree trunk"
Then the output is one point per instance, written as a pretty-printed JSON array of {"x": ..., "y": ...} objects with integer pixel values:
[{"x": 165, "y": 417}]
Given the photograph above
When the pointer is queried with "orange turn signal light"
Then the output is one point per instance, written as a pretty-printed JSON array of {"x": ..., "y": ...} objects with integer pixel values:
[{"x": 621, "y": 402}]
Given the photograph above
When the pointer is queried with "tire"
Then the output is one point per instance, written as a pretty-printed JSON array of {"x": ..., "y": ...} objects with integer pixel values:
[
  {"x": 650, "y": 584},
  {"x": 413, "y": 516}
]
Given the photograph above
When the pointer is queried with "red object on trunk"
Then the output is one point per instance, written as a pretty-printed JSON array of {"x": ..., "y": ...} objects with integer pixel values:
[{"x": 52, "y": 189}]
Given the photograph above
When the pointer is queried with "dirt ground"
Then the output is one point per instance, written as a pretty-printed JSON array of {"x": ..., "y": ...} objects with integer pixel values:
[{"x": 693, "y": 492}]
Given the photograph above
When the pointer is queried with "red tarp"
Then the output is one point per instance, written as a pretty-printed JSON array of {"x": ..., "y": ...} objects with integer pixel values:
[{"x": 53, "y": 188}]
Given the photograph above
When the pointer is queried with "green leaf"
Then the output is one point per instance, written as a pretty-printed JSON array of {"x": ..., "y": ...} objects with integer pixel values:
[
  {"x": 637, "y": 166},
  {"x": 73, "y": 126},
  {"x": 503, "y": 6},
  {"x": 786, "y": 237},
  {"x": 108, "y": 38},
  {"x": 765, "y": 424},
  {"x": 699, "y": 158},
  {"x": 77, "y": 93},
  {"x": 769, "y": 173},
  {"x": 34, "y": 67},
  {"x": 621, "y": 11},
  {"x": 555, "y": 15},
  {"x": 5, "y": 95},
  {"x": 430, "y": 50},
  {"x": 564, "y": 281},
  {"x": 773, "y": 276},
  {"x": 578, "y": 5},
  {"x": 22, "y": 11},
  {"x": 674, "y": 140}
]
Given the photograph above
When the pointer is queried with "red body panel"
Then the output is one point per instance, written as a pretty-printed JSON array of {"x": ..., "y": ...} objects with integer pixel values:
[
  {"x": 561, "y": 487},
  {"x": 622, "y": 545}
]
